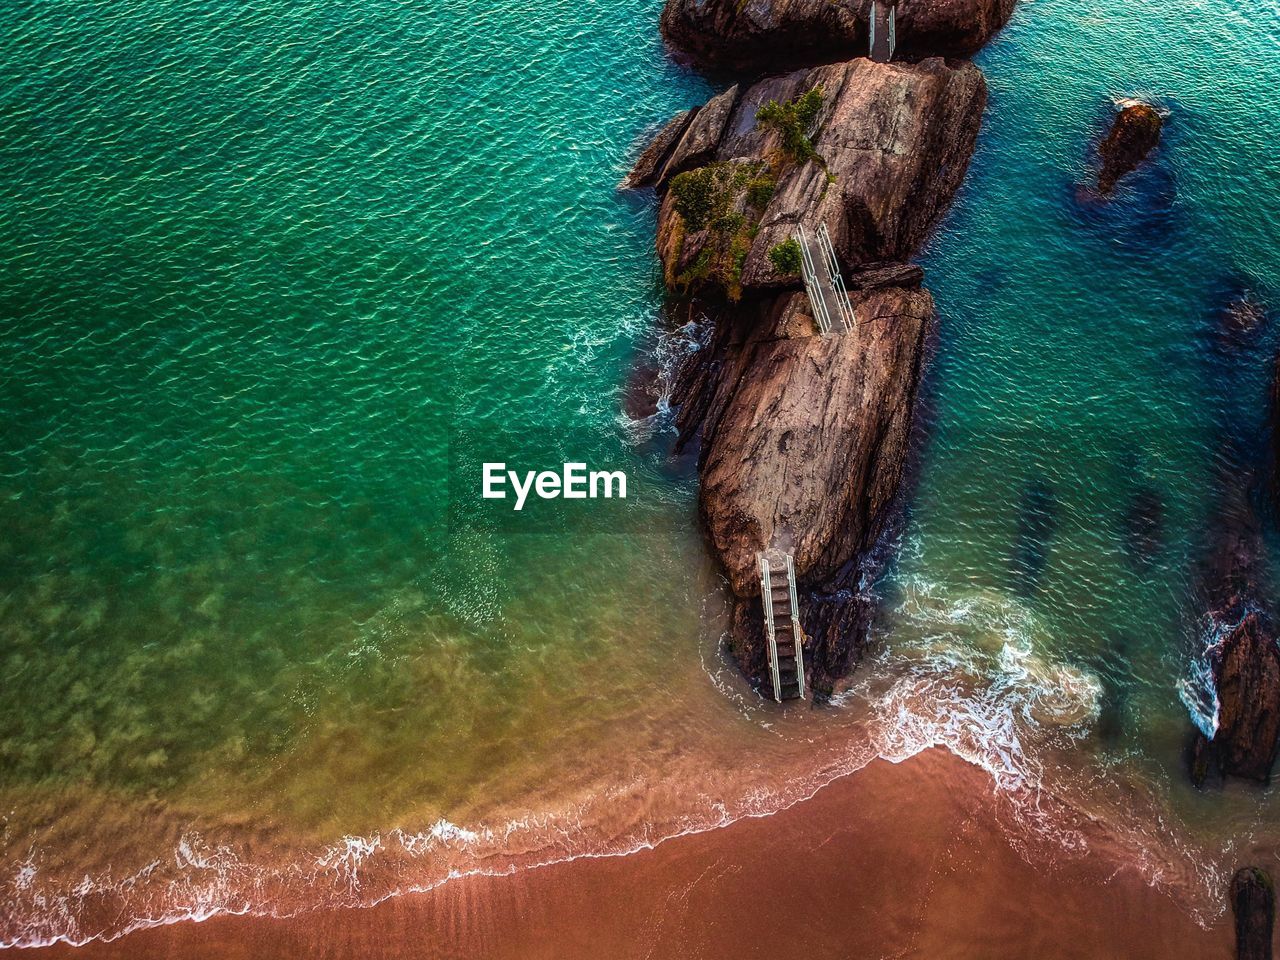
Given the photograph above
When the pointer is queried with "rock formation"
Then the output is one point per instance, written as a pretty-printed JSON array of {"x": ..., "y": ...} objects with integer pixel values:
[
  {"x": 804, "y": 451},
  {"x": 1246, "y": 675},
  {"x": 892, "y": 144},
  {"x": 804, "y": 436},
  {"x": 1243, "y": 658},
  {"x": 1273, "y": 425},
  {"x": 1253, "y": 901},
  {"x": 755, "y": 36},
  {"x": 1134, "y": 134}
]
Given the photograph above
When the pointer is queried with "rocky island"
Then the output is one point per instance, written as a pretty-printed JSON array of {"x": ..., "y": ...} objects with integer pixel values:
[
  {"x": 804, "y": 423},
  {"x": 769, "y": 35}
]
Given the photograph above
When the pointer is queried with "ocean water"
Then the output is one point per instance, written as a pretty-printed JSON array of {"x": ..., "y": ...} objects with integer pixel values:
[{"x": 266, "y": 269}]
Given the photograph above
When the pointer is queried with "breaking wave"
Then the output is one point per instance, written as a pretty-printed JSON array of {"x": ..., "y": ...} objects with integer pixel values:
[{"x": 974, "y": 682}]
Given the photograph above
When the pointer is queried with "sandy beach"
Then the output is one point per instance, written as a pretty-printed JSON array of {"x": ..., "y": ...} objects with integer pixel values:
[{"x": 898, "y": 860}]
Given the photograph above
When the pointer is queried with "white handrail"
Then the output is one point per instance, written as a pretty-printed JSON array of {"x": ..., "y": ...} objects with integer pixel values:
[
  {"x": 873, "y": 28},
  {"x": 811, "y": 284},
  {"x": 893, "y": 28},
  {"x": 795, "y": 623},
  {"x": 766, "y": 592},
  {"x": 843, "y": 305}
]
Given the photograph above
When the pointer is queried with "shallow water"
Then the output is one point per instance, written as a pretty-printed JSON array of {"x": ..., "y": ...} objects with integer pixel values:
[{"x": 267, "y": 273}]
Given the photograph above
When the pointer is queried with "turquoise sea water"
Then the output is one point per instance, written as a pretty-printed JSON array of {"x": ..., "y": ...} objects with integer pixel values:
[{"x": 263, "y": 266}]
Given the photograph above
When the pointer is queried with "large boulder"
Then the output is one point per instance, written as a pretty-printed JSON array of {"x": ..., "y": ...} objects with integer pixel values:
[
  {"x": 1246, "y": 676},
  {"x": 805, "y": 442},
  {"x": 759, "y": 36},
  {"x": 689, "y": 140},
  {"x": 1134, "y": 134},
  {"x": 809, "y": 448},
  {"x": 891, "y": 144}
]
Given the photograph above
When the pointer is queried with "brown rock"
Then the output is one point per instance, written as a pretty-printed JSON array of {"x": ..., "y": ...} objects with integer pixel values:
[
  {"x": 1134, "y": 134},
  {"x": 689, "y": 140},
  {"x": 648, "y": 166},
  {"x": 1274, "y": 424},
  {"x": 876, "y": 275},
  {"x": 804, "y": 451},
  {"x": 1253, "y": 901},
  {"x": 894, "y": 142},
  {"x": 1246, "y": 671},
  {"x": 763, "y": 35}
]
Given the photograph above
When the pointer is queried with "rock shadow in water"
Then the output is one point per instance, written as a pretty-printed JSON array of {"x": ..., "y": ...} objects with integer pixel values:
[
  {"x": 1114, "y": 669},
  {"x": 1037, "y": 525},
  {"x": 1142, "y": 215},
  {"x": 1144, "y": 526}
]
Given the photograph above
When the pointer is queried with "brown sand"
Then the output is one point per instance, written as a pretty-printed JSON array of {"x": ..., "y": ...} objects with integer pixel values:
[{"x": 892, "y": 862}]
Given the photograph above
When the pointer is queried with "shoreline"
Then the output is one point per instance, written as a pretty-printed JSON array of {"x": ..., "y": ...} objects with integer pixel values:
[{"x": 896, "y": 859}]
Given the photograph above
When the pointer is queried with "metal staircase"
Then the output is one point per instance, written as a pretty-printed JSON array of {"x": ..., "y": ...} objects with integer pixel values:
[
  {"x": 782, "y": 626},
  {"x": 823, "y": 281},
  {"x": 883, "y": 29}
]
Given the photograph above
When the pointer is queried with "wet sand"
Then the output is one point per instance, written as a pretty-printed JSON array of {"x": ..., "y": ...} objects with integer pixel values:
[{"x": 905, "y": 860}]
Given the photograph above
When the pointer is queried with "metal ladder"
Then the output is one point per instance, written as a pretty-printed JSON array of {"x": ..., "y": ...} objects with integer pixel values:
[{"x": 782, "y": 630}]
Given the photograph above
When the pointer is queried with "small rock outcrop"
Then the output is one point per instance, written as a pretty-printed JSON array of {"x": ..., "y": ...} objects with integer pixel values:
[
  {"x": 1253, "y": 902},
  {"x": 757, "y": 36},
  {"x": 1134, "y": 134},
  {"x": 1246, "y": 675}
]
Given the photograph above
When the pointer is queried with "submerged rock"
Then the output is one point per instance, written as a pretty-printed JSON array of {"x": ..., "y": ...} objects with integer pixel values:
[
  {"x": 763, "y": 35},
  {"x": 1243, "y": 318},
  {"x": 1037, "y": 526},
  {"x": 1253, "y": 901},
  {"x": 1144, "y": 525},
  {"x": 1134, "y": 134}
]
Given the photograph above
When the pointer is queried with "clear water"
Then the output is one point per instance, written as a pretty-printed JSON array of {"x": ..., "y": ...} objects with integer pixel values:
[{"x": 264, "y": 266}]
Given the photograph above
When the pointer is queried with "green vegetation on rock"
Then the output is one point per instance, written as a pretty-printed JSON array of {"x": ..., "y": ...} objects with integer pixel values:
[
  {"x": 726, "y": 199},
  {"x": 786, "y": 257},
  {"x": 793, "y": 122}
]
